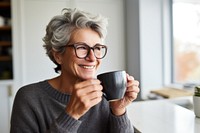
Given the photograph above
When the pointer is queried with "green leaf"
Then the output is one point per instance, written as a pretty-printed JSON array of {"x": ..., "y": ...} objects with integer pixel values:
[{"x": 197, "y": 91}]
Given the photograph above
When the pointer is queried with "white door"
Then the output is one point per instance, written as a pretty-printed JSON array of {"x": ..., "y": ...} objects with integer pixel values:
[{"x": 5, "y": 91}]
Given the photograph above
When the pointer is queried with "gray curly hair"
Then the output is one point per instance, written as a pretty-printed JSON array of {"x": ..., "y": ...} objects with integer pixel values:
[{"x": 60, "y": 28}]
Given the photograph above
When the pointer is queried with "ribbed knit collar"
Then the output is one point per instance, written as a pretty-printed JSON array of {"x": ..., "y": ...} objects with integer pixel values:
[{"x": 61, "y": 97}]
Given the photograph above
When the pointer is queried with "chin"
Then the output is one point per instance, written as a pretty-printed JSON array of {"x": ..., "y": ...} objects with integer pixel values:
[{"x": 87, "y": 77}]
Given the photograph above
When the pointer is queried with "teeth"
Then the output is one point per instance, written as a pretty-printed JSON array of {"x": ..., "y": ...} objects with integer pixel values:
[{"x": 88, "y": 67}]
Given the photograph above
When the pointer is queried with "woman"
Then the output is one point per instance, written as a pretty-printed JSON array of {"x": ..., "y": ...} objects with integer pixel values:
[{"x": 73, "y": 102}]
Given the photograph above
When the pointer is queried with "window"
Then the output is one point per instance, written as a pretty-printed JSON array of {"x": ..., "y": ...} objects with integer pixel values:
[{"x": 186, "y": 41}]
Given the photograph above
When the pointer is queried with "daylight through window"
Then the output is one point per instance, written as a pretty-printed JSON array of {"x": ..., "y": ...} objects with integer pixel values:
[{"x": 186, "y": 39}]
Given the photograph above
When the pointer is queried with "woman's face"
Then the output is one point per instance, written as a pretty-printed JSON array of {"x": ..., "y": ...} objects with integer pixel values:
[{"x": 81, "y": 68}]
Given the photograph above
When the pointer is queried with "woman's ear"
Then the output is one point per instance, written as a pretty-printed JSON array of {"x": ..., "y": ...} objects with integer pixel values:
[{"x": 57, "y": 56}]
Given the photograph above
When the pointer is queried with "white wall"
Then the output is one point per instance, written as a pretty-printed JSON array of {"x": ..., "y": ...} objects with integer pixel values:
[
  {"x": 145, "y": 41},
  {"x": 151, "y": 45},
  {"x": 5, "y": 108}
]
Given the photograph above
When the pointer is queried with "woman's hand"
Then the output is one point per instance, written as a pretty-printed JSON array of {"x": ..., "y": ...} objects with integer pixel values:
[
  {"x": 119, "y": 107},
  {"x": 85, "y": 95}
]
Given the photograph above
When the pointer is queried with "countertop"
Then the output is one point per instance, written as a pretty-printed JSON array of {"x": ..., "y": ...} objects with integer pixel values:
[{"x": 163, "y": 116}]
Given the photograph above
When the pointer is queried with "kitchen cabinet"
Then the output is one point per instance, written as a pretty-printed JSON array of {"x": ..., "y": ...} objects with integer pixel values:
[{"x": 6, "y": 65}]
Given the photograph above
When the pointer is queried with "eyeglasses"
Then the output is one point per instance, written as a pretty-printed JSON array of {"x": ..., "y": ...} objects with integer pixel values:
[{"x": 82, "y": 50}]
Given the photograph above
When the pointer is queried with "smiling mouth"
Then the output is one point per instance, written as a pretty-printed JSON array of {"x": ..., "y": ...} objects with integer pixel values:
[{"x": 87, "y": 67}]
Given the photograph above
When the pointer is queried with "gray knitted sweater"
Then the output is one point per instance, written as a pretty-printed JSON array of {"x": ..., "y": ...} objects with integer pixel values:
[{"x": 39, "y": 108}]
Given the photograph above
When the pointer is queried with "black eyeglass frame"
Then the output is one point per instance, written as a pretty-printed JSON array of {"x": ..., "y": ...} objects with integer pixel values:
[{"x": 75, "y": 45}]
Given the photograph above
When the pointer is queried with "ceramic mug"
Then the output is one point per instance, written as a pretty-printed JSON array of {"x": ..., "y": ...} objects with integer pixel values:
[
  {"x": 196, "y": 103},
  {"x": 114, "y": 84}
]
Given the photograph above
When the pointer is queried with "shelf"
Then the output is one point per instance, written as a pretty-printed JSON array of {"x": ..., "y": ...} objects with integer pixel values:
[
  {"x": 6, "y": 64},
  {"x": 5, "y": 4},
  {"x": 5, "y": 58},
  {"x": 5, "y": 28},
  {"x": 5, "y": 43}
]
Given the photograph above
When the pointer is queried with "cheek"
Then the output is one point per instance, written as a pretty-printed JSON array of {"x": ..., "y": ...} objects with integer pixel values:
[
  {"x": 98, "y": 63},
  {"x": 69, "y": 56},
  {"x": 69, "y": 61},
  {"x": 74, "y": 65}
]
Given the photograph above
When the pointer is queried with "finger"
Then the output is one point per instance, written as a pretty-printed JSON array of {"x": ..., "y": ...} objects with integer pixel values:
[
  {"x": 91, "y": 99},
  {"x": 129, "y": 77},
  {"x": 133, "y": 83},
  {"x": 87, "y": 83},
  {"x": 131, "y": 95},
  {"x": 133, "y": 89},
  {"x": 89, "y": 90},
  {"x": 95, "y": 94},
  {"x": 95, "y": 101}
]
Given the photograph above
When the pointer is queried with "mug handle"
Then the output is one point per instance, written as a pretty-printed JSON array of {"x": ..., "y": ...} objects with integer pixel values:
[{"x": 104, "y": 95}]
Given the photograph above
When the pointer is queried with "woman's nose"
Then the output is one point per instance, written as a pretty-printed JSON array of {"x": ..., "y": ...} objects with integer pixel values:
[{"x": 91, "y": 56}]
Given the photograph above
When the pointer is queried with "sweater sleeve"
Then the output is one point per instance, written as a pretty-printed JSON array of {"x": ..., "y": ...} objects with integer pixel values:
[
  {"x": 120, "y": 124},
  {"x": 64, "y": 124},
  {"x": 26, "y": 119}
]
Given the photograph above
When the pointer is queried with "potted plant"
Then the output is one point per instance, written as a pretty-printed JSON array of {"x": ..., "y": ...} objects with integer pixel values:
[
  {"x": 197, "y": 91},
  {"x": 196, "y": 100}
]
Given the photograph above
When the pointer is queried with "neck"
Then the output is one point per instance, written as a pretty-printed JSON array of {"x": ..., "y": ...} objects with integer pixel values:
[{"x": 63, "y": 84}]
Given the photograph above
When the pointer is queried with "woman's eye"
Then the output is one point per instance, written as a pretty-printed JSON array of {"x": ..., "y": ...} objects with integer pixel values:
[
  {"x": 81, "y": 47},
  {"x": 98, "y": 48}
]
